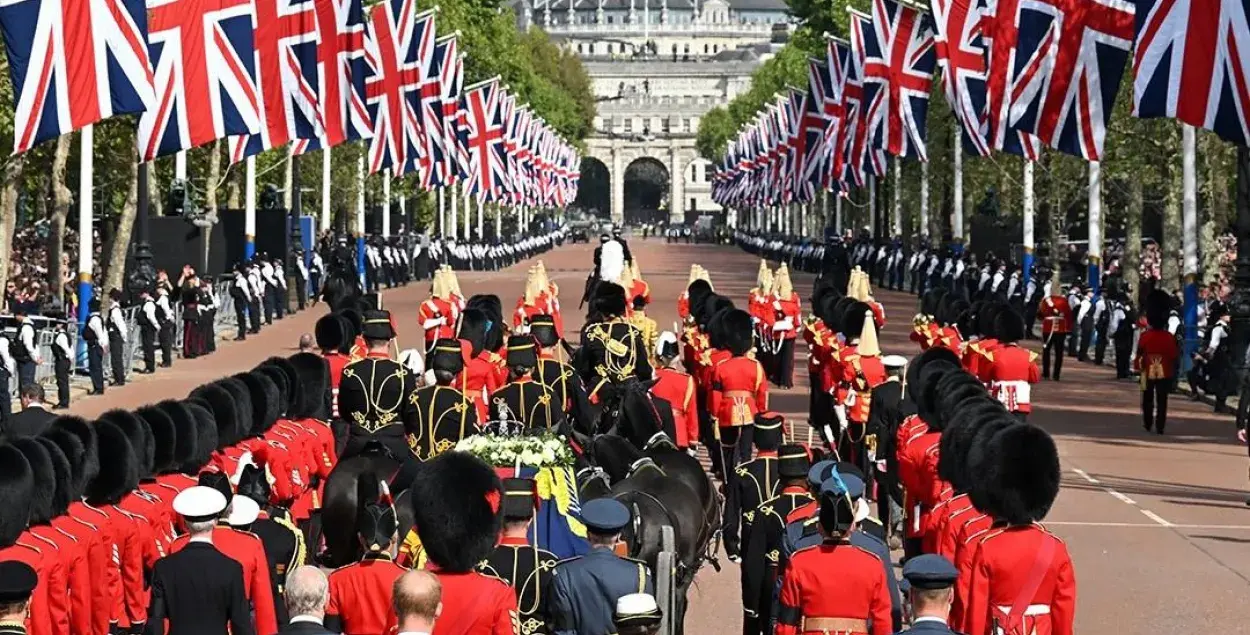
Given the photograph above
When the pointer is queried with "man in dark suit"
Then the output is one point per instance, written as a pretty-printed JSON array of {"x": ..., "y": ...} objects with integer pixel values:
[
  {"x": 307, "y": 593},
  {"x": 34, "y": 418},
  {"x": 198, "y": 589}
]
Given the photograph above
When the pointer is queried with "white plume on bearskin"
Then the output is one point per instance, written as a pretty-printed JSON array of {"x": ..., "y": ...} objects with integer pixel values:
[{"x": 612, "y": 262}]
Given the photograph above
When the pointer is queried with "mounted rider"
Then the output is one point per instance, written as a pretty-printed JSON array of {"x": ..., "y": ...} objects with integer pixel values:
[{"x": 374, "y": 394}]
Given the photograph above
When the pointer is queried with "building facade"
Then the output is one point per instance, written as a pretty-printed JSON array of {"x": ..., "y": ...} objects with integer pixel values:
[{"x": 657, "y": 66}]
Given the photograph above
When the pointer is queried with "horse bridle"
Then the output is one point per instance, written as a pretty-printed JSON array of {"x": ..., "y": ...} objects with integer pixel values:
[
  {"x": 641, "y": 463},
  {"x": 659, "y": 439},
  {"x": 596, "y": 473}
]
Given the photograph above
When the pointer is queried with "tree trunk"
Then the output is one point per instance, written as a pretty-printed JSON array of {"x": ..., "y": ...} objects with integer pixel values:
[
  {"x": 114, "y": 277},
  {"x": 60, "y": 211},
  {"x": 214, "y": 175},
  {"x": 8, "y": 213},
  {"x": 1132, "y": 241},
  {"x": 1172, "y": 240}
]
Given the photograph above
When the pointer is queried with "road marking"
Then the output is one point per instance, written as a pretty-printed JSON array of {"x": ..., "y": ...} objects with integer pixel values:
[
  {"x": 1085, "y": 475},
  {"x": 1155, "y": 517},
  {"x": 1155, "y": 525},
  {"x": 1120, "y": 497}
]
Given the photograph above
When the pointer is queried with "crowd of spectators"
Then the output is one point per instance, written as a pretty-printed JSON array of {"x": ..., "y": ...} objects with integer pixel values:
[{"x": 27, "y": 287}]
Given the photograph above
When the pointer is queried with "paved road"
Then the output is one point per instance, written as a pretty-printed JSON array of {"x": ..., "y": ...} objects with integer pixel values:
[{"x": 1156, "y": 525}]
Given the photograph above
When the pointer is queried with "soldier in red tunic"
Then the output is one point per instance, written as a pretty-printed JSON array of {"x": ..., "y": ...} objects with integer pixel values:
[
  {"x": 861, "y": 371},
  {"x": 739, "y": 390},
  {"x": 455, "y": 507},
  {"x": 331, "y": 332},
  {"x": 1022, "y": 580},
  {"x": 360, "y": 593},
  {"x": 439, "y": 312},
  {"x": 677, "y": 388},
  {"x": 1056, "y": 316},
  {"x": 834, "y": 587},
  {"x": 1157, "y": 353},
  {"x": 1012, "y": 369},
  {"x": 786, "y": 313}
]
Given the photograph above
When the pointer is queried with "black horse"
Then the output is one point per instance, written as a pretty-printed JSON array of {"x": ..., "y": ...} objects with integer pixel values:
[
  {"x": 336, "y": 526},
  {"x": 342, "y": 287}
]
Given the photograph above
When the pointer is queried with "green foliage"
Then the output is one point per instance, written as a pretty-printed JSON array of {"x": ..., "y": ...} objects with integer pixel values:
[{"x": 716, "y": 130}]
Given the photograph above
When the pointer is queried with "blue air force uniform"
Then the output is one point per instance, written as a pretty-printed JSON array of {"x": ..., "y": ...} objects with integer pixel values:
[
  {"x": 930, "y": 572},
  {"x": 585, "y": 589}
]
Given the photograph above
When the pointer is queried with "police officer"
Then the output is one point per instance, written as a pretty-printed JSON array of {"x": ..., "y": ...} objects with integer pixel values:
[
  {"x": 445, "y": 415},
  {"x": 96, "y": 337},
  {"x": 932, "y": 580},
  {"x": 283, "y": 543},
  {"x": 521, "y": 564},
  {"x": 149, "y": 326},
  {"x": 118, "y": 334},
  {"x": 374, "y": 393},
  {"x": 301, "y": 280},
  {"x": 585, "y": 589},
  {"x": 757, "y": 481},
  {"x": 524, "y": 402},
  {"x": 762, "y": 544},
  {"x": 24, "y": 349},
  {"x": 241, "y": 293},
  {"x": 62, "y": 356},
  {"x": 17, "y": 583},
  {"x": 165, "y": 313},
  {"x": 361, "y": 592}
]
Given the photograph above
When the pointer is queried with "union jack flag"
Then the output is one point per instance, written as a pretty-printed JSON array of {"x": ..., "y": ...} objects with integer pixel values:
[
  {"x": 481, "y": 136},
  {"x": 1069, "y": 58},
  {"x": 961, "y": 59},
  {"x": 286, "y": 40},
  {"x": 507, "y": 115},
  {"x": 816, "y": 123},
  {"x": 1192, "y": 61},
  {"x": 422, "y": 49},
  {"x": 205, "y": 75},
  {"x": 450, "y": 84},
  {"x": 341, "y": 75},
  {"x": 843, "y": 111},
  {"x": 862, "y": 157},
  {"x": 898, "y": 72},
  {"x": 999, "y": 33},
  {"x": 394, "y": 76},
  {"x": 432, "y": 91},
  {"x": 74, "y": 63}
]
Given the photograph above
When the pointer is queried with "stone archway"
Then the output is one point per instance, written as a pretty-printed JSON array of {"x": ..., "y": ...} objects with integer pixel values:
[
  {"x": 594, "y": 189},
  {"x": 646, "y": 191}
]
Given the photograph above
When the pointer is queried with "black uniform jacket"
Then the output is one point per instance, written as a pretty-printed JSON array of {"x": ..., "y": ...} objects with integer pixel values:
[
  {"x": 527, "y": 569},
  {"x": 200, "y": 591},
  {"x": 444, "y": 417}
]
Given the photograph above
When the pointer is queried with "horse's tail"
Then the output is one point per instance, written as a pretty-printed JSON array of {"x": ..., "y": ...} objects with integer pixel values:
[{"x": 340, "y": 508}]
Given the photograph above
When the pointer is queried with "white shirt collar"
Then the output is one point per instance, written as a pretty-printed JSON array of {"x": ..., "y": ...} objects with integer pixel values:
[
  {"x": 923, "y": 618},
  {"x": 312, "y": 619}
]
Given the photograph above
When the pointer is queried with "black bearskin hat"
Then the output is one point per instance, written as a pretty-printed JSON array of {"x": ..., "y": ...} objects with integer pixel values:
[
  {"x": 980, "y": 457},
  {"x": 853, "y": 318},
  {"x": 493, "y": 308},
  {"x": 44, "y": 475},
  {"x": 715, "y": 329},
  {"x": 185, "y": 437},
  {"x": 911, "y": 376},
  {"x": 1008, "y": 326},
  {"x": 966, "y": 321},
  {"x": 241, "y": 399},
  {"x": 987, "y": 317},
  {"x": 826, "y": 310},
  {"x": 205, "y": 435},
  {"x": 164, "y": 439},
  {"x": 839, "y": 314},
  {"x": 447, "y": 356},
  {"x": 253, "y": 483},
  {"x": 72, "y": 451},
  {"x": 88, "y": 467},
  {"x": 714, "y": 306},
  {"x": 608, "y": 300},
  {"x": 264, "y": 395},
  {"x": 1023, "y": 475},
  {"x": 1158, "y": 309},
  {"x": 225, "y": 416},
  {"x": 292, "y": 379},
  {"x": 310, "y": 394},
  {"x": 697, "y": 293},
  {"x": 119, "y": 466},
  {"x": 957, "y": 440},
  {"x": 218, "y": 481},
  {"x": 142, "y": 441},
  {"x": 281, "y": 382},
  {"x": 350, "y": 320},
  {"x": 17, "y": 489},
  {"x": 64, "y": 492},
  {"x": 927, "y": 395},
  {"x": 739, "y": 332},
  {"x": 376, "y": 520},
  {"x": 822, "y": 289},
  {"x": 953, "y": 390},
  {"x": 455, "y": 506},
  {"x": 330, "y": 332},
  {"x": 474, "y": 325},
  {"x": 951, "y": 311}
]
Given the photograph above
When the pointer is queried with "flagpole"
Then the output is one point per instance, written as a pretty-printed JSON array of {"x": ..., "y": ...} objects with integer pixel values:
[
  {"x": 86, "y": 204},
  {"x": 453, "y": 211},
  {"x": 249, "y": 208},
  {"x": 924, "y": 202},
  {"x": 1189, "y": 233},
  {"x": 837, "y": 213},
  {"x": 386, "y": 205},
  {"x": 957, "y": 217},
  {"x": 1029, "y": 211},
  {"x": 481, "y": 218},
  {"x": 498, "y": 221},
  {"x": 360, "y": 218},
  {"x": 896, "y": 221},
  {"x": 872, "y": 205},
  {"x": 468, "y": 233},
  {"x": 442, "y": 211},
  {"x": 1094, "y": 278},
  {"x": 325, "y": 189},
  {"x": 180, "y": 165}
]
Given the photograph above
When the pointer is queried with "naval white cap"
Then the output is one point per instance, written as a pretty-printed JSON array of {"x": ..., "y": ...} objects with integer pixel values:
[
  {"x": 637, "y": 606},
  {"x": 199, "y": 503},
  {"x": 894, "y": 361},
  {"x": 243, "y": 511}
]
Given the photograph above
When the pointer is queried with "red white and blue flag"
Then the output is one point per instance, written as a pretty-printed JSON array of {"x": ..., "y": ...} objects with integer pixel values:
[
  {"x": 393, "y": 80},
  {"x": 961, "y": 53},
  {"x": 73, "y": 63},
  {"x": 843, "y": 107},
  {"x": 439, "y": 172},
  {"x": 203, "y": 58},
  {"x": 481, "y": 136},
  {"x": 451, "y": 84},
  {"x": 341, "y": 71},
  {"x": 898, "y": 72},
  {"x": 863, "y": 157},
  {"x": 1191, "y": 61},
  {"x": 1068, "y": 61},
  {"x": 286, "y": 40},
  {"x": 816, "y": 115}
]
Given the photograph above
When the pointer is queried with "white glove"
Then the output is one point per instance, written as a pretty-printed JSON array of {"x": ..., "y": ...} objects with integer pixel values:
[{"x": 840, "y": 410}]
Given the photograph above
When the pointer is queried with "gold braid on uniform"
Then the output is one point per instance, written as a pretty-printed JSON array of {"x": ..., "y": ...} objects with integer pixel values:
[
  {"x": 612, "y": 369},
  {"x": 297, "y": 558},
  {"x": 385, "y": 415}
]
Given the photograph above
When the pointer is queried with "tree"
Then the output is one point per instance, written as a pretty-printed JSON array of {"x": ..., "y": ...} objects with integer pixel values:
[
  {"x": 716, "y": 130},
  {"x": 62, "y": 198}
]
